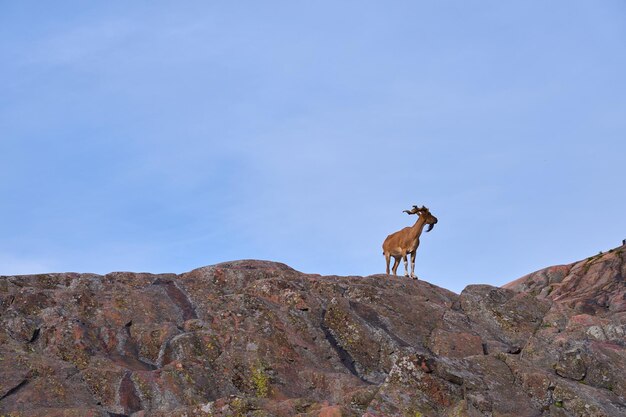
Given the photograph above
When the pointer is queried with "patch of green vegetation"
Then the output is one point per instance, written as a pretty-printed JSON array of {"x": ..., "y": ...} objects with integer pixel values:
[
  {"x": 503, "y": 321},
  {"x": 143, "y": 387},
  {"x": 78, "y": 357},
  {"x": 260, "y": 380},
  {"x": 187, "y": 377},
  {"x": 239, "y": 407},
  {"x": 558, "y": 403},
  {"x": 97, "y": 385},
  {"x": 590, "y": 261}
]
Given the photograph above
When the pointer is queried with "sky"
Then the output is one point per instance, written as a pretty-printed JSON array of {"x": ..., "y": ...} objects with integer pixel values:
[{"x": 164, "y": 136}]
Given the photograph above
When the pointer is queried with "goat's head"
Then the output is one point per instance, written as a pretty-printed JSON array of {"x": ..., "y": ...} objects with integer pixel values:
[
  {"x": 424, "y": 213},
  {"x": 429, "y": 219}
]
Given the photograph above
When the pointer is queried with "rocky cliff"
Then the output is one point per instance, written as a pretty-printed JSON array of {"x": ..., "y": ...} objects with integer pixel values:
[{"x": 253, "y": 338}]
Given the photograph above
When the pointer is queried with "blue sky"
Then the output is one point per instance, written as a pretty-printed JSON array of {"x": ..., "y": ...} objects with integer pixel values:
[{"x": 161, "y": 136}]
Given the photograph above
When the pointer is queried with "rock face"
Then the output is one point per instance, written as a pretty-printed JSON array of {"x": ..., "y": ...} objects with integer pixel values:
[
  {"x": 254, "y": 338},
  {"x": 593, "y": 286}
]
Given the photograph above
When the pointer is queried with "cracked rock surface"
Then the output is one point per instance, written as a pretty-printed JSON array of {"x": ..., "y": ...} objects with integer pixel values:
[{"x": 257, "y": 338}]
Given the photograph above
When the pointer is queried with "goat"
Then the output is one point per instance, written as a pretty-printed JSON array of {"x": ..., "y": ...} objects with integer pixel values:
[{"x": 406, "y": 241}]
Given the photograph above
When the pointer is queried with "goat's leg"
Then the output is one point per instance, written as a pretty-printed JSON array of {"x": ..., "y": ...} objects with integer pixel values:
[
  {"x": 394, "y": 268},
  {"x": 413, "y": 264},
  {"x": 406, "y": 266},
  {"x": 387, "y": 259}
]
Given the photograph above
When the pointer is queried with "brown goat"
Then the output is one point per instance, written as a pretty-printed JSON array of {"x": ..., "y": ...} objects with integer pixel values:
[{"x": 406, "y": 241}]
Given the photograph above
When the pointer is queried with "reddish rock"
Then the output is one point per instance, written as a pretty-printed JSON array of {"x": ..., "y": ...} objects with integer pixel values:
[
  {"x": 255, "y": 338},
  {"x": 455, "y": 344},
  {"x": 593, "y": 286}
]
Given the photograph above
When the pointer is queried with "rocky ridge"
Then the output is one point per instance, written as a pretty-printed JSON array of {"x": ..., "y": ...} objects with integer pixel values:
[{"x": 255, "y": 338}]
